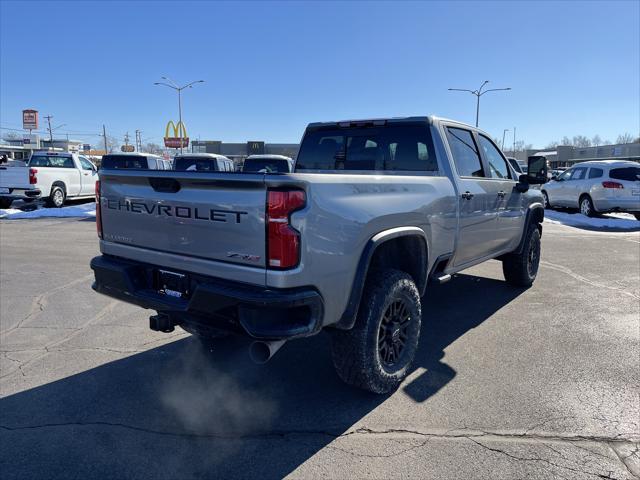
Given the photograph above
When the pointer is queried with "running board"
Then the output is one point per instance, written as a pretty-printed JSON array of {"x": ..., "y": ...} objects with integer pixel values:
[{"x": 442, "y": 279}]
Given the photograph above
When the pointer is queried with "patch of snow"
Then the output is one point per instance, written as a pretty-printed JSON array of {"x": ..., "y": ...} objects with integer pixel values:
[
  {"x": 84, "y": 211},
  {"x": 618, "y": 221}
]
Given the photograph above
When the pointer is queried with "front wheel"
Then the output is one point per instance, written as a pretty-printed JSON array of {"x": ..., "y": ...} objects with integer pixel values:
[
  {"x": 377, "y": 353},
  {"x": 545, "y": 197},
  {"x": 5, "y": 202},
  {"x": 521, "y": 269}
]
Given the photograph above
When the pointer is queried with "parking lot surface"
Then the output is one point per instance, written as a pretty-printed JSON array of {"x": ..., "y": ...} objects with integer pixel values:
[{"x": 508, "y": 383}]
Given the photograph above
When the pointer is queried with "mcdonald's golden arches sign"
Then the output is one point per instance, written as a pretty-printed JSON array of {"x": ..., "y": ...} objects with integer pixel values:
[{"x": 175, "y": 135}]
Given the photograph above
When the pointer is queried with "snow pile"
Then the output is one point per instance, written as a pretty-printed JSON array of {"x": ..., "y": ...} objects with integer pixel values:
[
  {"x": 86, "y": 210},
  {"x": 618, "y": 221}
]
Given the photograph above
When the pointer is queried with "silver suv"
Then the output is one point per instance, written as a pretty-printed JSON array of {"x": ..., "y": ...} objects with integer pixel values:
[{"x": 597, "y": 187}]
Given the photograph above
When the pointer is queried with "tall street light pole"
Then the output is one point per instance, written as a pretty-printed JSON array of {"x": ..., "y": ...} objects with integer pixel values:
[
  {"x": 503, "y": 134},
  {"x": 178, "y": 89},
  {"x": 478, "y": 93}
]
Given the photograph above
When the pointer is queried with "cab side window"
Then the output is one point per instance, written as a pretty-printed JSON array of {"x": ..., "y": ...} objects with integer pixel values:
[
  {"x": 465, "y": 152},
  {"x": 86, "y": 164},
  {"x": 498, "y": 167}
]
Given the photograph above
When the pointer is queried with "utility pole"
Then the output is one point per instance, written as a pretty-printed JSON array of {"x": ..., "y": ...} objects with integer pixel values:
[
  {"x": 514, "y": 141},
  {"x": 126, "y": 139},
  {"x": 104, "y": 135},
  {"x": 49, "y": 117},
  {"x": 138, "y": 141},
  {"x": 478, "y": 93}
]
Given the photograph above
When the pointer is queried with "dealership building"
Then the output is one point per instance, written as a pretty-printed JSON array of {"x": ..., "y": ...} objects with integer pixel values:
[{"x": 565, "y": 156}]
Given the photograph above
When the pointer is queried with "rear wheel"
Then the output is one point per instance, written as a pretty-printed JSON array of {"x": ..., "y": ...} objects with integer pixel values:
[
  {"x": 56, "y": 197},
  {"x": 521, "y": 269},
  {"x": 637, "y": 215},
  {"x": 586, "y": 206},
  {"x": 377, "y": 353},
  {"x": 5, "y": 202}
]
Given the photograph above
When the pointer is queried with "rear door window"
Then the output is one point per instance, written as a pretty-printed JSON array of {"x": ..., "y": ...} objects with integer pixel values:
[
  {"x": 265, "y": 165},
  {"x": 465, "y": 152},
  {"x": 630, "y": 174},
  {"x": 595, "y": 172},
  {"x": 51, "y": 161},
  {"x": 196, "y": 164}
]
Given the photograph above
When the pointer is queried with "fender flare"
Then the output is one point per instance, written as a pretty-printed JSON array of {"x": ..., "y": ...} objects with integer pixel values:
[
  {"x": 348, "y": 318},
  {"x": 535, "y": 214}
]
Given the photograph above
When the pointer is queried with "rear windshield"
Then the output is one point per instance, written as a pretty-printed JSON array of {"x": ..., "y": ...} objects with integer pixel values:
[
  {"x": 265, "y": 165},
  {"x": 385, "y": 148},
  {"x": 630, "y": 174},
  {"x": 57, "y": 161},
  {"x": 125, "y": 161},
  {"x": 197, "y": 164}
]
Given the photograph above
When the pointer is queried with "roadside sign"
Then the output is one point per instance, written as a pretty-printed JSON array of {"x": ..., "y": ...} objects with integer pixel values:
[
  {"x": 30, "y": 119},
  {"x": 86, "y": 147},
  {"x": 127, "y": 148},
  {"x": 180, "y": 138}
]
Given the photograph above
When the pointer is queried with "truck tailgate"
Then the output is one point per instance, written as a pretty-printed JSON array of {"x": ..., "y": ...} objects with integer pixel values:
[
  {"x": 206, "y": 216},
  {"x": 14, "y": 177}
]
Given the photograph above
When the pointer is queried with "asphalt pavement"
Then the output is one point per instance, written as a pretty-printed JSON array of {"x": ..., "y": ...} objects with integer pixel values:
[{"x": 508, "y": 383}]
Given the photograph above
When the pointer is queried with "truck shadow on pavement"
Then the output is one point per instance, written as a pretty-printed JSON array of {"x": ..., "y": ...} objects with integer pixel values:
[{"x": 179, "y": 411}]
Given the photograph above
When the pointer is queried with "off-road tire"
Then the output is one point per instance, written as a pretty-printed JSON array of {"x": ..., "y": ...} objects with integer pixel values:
[
  {"x": 57, "y": 197},
  {"x": 521, "y": 269},
  {"x": 5, "y": 203},
  {"x": 356, "y": 353}
]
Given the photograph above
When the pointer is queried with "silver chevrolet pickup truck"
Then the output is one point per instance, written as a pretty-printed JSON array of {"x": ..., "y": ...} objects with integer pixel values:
[{"x": 374, "y": 212}]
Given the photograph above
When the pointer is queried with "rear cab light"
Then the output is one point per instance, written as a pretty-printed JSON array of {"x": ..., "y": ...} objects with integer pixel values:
[
  {"x": 98, "y": 215},
  {"x": 33, "y": 176},
  {"x": 283, "y": 241},
  {"x": 609, "y": 184}
]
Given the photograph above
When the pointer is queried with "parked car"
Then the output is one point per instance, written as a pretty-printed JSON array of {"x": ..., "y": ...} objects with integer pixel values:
[
  {"x": 596, "y": 187},
  {"x": 375, "y": 211},
  {"x": 203, "y": 162},
  {"x": 52, "y": 176},
  {"x": 135, "y": 161},
  {"x": 268, "y": 164},
  {"x": 517, "y": 166}
]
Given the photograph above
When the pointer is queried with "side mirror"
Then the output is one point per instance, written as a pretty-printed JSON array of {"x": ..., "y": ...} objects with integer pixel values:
[
  {"x": 537, "y": 170},
  {"x": 523, "y": 183}
]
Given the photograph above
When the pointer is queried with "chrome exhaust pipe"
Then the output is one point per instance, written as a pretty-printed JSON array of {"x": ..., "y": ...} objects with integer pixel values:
[{"x": 261, "y": 352}]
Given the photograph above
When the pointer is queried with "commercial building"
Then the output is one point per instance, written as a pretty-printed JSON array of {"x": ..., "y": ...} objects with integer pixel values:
[{"x": 565, "y": 156}]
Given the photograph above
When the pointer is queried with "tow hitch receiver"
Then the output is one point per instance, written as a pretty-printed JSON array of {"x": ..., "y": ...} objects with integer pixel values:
[{"x": 161, "y": 323}]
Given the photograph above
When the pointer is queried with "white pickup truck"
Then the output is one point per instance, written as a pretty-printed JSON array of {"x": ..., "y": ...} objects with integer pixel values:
[{"x": 52, "y": 176}]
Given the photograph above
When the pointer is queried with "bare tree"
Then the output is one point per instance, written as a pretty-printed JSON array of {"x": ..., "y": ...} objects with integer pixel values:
[
  {"x": 112, "y": 143},
  {"x": 566, "y": 141},
  {"x": 625, "y": 138},
  {"x": 153, "y": 148},
  {"x": 581, "y": 141},
  {"x": 596, "y": 140},
  {"x": 552, "y": 144}
]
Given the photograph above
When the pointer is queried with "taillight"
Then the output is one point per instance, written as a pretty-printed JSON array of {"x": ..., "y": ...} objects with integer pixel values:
[
  {"x": 98, "y": 216},
  {"x": 283, "y": 241},
  {"x": 612, "y": 185},
  {"x": 33, "y": 177}
]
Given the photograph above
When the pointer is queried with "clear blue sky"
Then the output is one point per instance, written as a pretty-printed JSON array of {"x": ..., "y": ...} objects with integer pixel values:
[{"x": 271, "y": 68}]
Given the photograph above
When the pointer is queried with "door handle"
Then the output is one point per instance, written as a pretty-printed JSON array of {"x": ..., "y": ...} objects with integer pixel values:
[
  {"x": 501, "y": 194},
  {"x": 86, "y": 174},
  {"x": 467, "y": 195}
]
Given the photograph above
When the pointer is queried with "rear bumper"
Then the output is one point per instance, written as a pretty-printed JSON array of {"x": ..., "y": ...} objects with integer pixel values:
[
  {"x": 21, "y": 194},
  {"x": 617, "y": 204},
  {"x": 214, "y": 303}
]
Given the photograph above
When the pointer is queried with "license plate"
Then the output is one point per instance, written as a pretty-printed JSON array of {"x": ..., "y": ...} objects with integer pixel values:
[
  {"x": 4, "y": 190},
  {"x": 172, "y": 284},
  {"x": 635, "y": 192}
]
